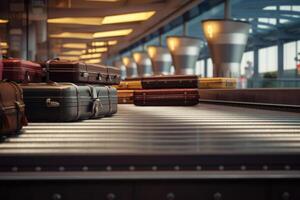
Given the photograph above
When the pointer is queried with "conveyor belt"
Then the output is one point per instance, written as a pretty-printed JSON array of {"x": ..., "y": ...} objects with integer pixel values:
[{"x": 205, "y": 137}]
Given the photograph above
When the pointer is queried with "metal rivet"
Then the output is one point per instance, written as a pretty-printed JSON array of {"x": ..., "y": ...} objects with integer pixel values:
[
  {"x": 85, "y": 168},
  {"x": 170, "y": 196},
  {"x": 108, "y": 168},
  {"x": 154, "y": 168},
  {"x": 199, "y": 168},
  {"x": 287, "y": 167},
  {"x": 111, "y": 196},
  {"x": 131, "y": 168},
  {"x": 221, "y": 167},
  {"x": 243, "y": 167},
  {"x": 61, "y": 169},
  {"x": 265, "y": 167},
  {"x": 14, "y": 169},
  {"x": 56, "y": 196},
  {"x": 217, "y": 196},
  {"x": 285, "y": 196},
  {"x": 38, "y": 169},
  {"x": 177, "y": 168}
]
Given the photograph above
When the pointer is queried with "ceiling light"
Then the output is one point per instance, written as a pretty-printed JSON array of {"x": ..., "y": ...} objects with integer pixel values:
[
  {"x": 4, "y": 45},
  {"x": 3, "y": 21},
  {"x": 93, "y": 61},
  {"x": 89, "y": 56},
  {"x": 76, "y": 20},
  {"x": 97, "y": 50},
  {"x": 72, "y": 58},
  {"x": 74, "y": 45},
  {"x": 72, "y": 53},
  {"x": 4, "y": 51},
  {"x": 131, "y": 17},
  {"x": 114, "y": 33},
  {"x": 99, "y": 44},
  {"x": 72, "y": 35},
  {"x": 104, "y": 0}
]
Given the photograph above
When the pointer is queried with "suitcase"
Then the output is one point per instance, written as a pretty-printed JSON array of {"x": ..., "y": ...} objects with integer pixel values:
[
  {"x": 125, "y": 96},
  {"x": 217, "y": 83},
  {"x": 168, "y": 82},
  {"x": 22, "y": 70},
  {"x": 1, "y": 69},
  {"x": 129, "y": 85},
  {"x": 12, "y": 108},
  {"x": 166, "y": 97},
  {"x": 75, "y": 72},
  {"x": 64, "y": 102},
  {"x": 114, "y": 75}
]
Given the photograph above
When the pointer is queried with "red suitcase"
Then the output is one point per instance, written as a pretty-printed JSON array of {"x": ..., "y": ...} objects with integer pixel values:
[
  {"x": 168, "y": 82},
  {"x": 75, "y": 72},
  {"x": 166, "y": 97},
  {"x": 1, "y": 69},
  {"x": 22, "y": 70}
]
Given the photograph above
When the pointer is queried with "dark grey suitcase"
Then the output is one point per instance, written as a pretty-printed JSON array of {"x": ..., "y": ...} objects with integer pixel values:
[{"x": 59, "y": 102}]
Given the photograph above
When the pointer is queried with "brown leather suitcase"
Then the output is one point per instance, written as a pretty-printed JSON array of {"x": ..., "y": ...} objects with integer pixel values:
[
  {"x": 166, "y": 97},
  {"x": 22, "y": 70},
  {"x": 12, "y": 108},
  {"x": 114, "y": 75},
  {"x": 75, "y": 72},
  {"x": 168, "y": 82},
  {"x": 125, "y": 96}
]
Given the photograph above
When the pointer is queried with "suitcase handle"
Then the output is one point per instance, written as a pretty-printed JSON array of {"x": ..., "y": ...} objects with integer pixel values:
[
  {"x": 99, "y": 77},
  {"x": 52, "y": 104}
]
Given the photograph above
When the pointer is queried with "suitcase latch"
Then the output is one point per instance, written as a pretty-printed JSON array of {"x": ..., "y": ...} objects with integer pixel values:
[
  {"x": 85, "y": 74},
  {"x": 99, "y": 77},
  {"x": 52, "y": 104}
]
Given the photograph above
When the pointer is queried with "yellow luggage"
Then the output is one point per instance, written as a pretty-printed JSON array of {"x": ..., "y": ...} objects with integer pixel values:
[
  {"x": 129, "y": 85},
  {"x": 125, "y": 96},
  {"x": 217, "y": 83}
]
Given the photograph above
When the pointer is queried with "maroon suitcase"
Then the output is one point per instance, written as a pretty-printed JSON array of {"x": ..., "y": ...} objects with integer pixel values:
[
  {"x": 167, "y": 82},
  {"x": 75, "y": 72},
  {"x": 22, "y": 70},
  {"x": 166, "y": 97},
  {"x": 1, "y": 69},
  {"x": 114, "y": 75}
]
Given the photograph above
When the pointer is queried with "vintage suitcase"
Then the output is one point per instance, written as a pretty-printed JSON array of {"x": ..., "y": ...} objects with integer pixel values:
[
  {"x": 64, "y": 102},
  {"x": 114, "y": 75},
  {"x": 75, "y": 72},
  {"x": 166, "y": 97},
  {"x": 1, "y": 69},
  {"x": 217, "y": 83},
  {"x": 12, "y": 108},
  {"x": 22, "y": 70},
  {"x": 168, "y": 82},
  {"x": 125, "y": 96},
  {"x": 129, "y": 85}
]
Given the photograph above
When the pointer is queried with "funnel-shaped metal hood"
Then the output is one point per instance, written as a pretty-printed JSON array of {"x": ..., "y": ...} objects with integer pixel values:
[
  {"x": 161, "y": 60},
  {"x": 185, "y": 52},
  {"x": 226, "y": 41},
  {"x": 119, "y": 64},
  {"x": 131, "y": 67},
  {"x": 144, "y": 66}
]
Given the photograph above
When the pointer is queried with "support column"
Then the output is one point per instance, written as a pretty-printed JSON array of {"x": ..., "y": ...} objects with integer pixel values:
[
  {"x": 255, "y": 63},
  {"x": 205, "y": 67},
  {"x": 280, "y": 58}
]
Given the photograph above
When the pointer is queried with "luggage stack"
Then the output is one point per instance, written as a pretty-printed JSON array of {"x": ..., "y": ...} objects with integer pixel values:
[
  {"x": 175, "y": 90},
  {"x": 55, "y": 91},
  {"x": 126, "y": 90}
]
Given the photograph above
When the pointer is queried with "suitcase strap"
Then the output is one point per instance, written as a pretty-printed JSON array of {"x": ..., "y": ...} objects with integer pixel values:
[
  {"x": 78, "y": 101},
  {"x": 109, "y": 100},
  {"x": 97, "y": 104}
]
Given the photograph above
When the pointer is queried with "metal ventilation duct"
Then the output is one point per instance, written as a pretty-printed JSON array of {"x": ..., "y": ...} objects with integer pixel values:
[
  {"x": 185, "y": 51},
  {"x": 226, "y": 41},
  {"x": 161, "y": 60},
  {"x": 119, "y": 64},
  {"x": 144, "y": 66},
  {"x": 131, "y": 67}
]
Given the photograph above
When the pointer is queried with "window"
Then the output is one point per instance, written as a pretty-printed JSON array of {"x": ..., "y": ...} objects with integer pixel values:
[
  {"x": 268, "y": 59},
  {"x": 210, "y": 68},
  {"x": 289, "y": 55},
  {"x": 247, "y": 57}
]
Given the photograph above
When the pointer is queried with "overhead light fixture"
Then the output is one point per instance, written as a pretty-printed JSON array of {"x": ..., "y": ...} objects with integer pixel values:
[
  {"x": 100, "y": 44},
  {"x": 93, "y": 61},
  {"x": 4, "y": 45},
  {"x": 72, "y": 35},
  {"x": 97, "y": 50},
  {"x": 76, "y": 20},
  {"x": 3, "y": 21},
  {"x": 72, "y": 58},
  {"x": 74, "y": 45},
  {"x": 89, "y": 56},
  {"x": 130, "y": 17},
  {"x": 4, "y": 51},
  {"x": 72, "y": 53},
  {"x": 104, "y": 0},
  {"x": 114, "y": 33}
]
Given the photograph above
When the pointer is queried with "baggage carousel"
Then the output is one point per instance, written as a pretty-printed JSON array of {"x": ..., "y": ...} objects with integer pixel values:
[{"x": 167, "y": 147}]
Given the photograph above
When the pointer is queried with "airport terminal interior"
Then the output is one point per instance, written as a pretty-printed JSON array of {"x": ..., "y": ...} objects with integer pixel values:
[{"x": 150, "y": 99}]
